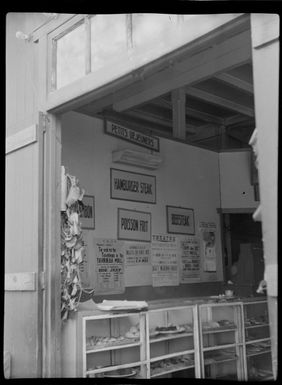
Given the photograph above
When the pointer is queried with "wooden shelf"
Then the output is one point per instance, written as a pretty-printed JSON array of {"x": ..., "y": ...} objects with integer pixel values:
[
  {"x": 172, "y": 370},
  {"x": 258, "y": 353},
  {"x": 112, "y": 347},
  {"x": 169, "y": 337},
  {"x": 254, "y": 341},
  {"x": 114, "y": 367},
  {"x": 171, "y": 355},
  {"x": 218, "y": 330},
  {"x": 212, "y": 361},
  {"x": 218, "y": 347},
  {"x": 257, "y": 326}
]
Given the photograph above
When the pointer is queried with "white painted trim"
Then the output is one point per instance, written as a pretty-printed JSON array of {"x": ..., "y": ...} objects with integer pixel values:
[
  {"x": 22, "y": 138},
  {"x": 267, "y": 29},
  {"x": 20, "y": 281}
]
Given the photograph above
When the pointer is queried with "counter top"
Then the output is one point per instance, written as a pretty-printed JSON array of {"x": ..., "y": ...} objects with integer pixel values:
[{"x": 89, "y": 307}]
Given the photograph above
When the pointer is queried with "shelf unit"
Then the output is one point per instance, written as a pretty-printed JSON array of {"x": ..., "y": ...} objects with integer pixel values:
[
  {"x": 257, "y": 341},
  {"x": 204, "y": 339},
  {"x": 221, "y": 340},
  {"x": 106, "y": 343},
  {"x": 173, "y": 351}
]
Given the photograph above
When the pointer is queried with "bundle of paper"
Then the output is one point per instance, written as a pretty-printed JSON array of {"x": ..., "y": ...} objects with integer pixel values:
[{"x": 122, "y": 305}]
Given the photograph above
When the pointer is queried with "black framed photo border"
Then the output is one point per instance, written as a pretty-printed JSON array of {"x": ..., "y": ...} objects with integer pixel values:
[
  {"x": 129, "y": 196},
  {"x": 180, "y": 220},
  {"x": 134, "y": 225},
  {"x": 87, "y": 217}
]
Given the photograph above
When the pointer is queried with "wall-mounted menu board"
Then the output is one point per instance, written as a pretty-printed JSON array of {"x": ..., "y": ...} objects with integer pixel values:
[
  {"x": 180, "y": 220},
  {"x": 133, "y": 186},
  {"x": 134, "y": 225},
  {"x": 133, "y": 136}
]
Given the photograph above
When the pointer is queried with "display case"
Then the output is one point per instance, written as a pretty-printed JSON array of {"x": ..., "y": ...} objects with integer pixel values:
[
  {"x": 107, "y": 345},
  {"x": 257, "y": 340},
  {"x": 221, "y": 340},
  {"x": 173, "y": 346},
  {"x": 198, "y": 338}
]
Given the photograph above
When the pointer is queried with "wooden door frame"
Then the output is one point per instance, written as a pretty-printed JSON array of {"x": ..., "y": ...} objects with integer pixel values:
[
  {"x": 51, "y": 279},
  {"x": 53, "y": 105}
]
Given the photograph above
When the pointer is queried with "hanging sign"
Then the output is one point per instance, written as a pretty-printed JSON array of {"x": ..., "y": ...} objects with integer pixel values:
[
  {"x": 138, "y": 267},
  {"x": 133, "y": 186},
  {"x": 132, "y": 136},
  {"x": 208, "y": 231},
  {"x": 180, "y": 220},
  {"x": 134, "y": 225},
  {"x": 109, "y": 267},
  {"x": 189, "y": 259},
  {"x": 165, "y": 269}
]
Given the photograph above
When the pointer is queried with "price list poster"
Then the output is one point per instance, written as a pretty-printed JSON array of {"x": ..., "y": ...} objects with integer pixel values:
[
  {"x": 109, "y": 266},
  {"x": 164, "y": 254},
  {"x": 138, "y": 267},
  {"x": 189, "y": 259}
]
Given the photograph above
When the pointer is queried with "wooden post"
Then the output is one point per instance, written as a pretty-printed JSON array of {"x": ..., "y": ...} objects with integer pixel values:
[
  {"x": 265, "y": 53},
  {"x": 52, "y": 253},
  {"x": 178, "y": 113}
]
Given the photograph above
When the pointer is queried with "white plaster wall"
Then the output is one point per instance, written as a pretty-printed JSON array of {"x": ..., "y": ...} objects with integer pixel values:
[
  {"x": 235, "y": 180},
  {"x": 188, "y": 177}
]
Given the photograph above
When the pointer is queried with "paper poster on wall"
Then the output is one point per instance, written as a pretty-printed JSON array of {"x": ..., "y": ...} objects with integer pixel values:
[
  {"x": 87, "y": 267},
  {"x": 164, "y": 252},
  {"x": 109, "y": 266},
  {"x": 208, "y": 236},
  {"x": 138, "y": 267},
  {"x": 189, "y": 259}
]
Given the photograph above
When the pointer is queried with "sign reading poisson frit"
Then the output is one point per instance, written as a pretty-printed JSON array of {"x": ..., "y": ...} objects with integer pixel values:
[
  {"x": 132, "y": 136},
  {"x": 134, "y": 225}
]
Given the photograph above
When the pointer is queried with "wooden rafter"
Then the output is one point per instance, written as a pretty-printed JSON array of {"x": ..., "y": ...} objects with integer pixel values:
[
  {"x": 233, "y": 52},
  {"x": 157, "y": 119},
  {"x": 197, "y": 114},
  {"x": 235, "y": 82},
  {"x": 218, "y": 100}
]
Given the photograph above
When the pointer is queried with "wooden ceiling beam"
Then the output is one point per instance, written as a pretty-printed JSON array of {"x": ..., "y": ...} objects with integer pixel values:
[
  {"x": 197, "y": 114},
  {"x": 235, "y": 82},
  {"x": 220, "y": 57},
  {"x": 157, "y": 119},
  {"x": 235, "y": 119},
  {"x": 218, "y": 100}
]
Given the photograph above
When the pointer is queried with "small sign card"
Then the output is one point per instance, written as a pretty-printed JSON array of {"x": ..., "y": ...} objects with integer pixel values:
[
  {"x": 180, "y": 220},
  {"x": 87, "y": 217},
  {"x": 132, "y": 136},
  {"x": 132, "y": 186},
  {"x": 134, "y": 225}
]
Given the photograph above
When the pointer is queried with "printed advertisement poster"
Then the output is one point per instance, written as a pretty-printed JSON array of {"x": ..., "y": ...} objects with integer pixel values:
[
  {"x": 208, "y": 235},
  {"x": 189, "y": 259},
  {"x": 138, "y": 267},
  {"x": 109, "y": 266},
  {"x": 165, "y": 269}
]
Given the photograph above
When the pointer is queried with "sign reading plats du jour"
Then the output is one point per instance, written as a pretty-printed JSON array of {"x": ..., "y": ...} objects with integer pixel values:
[{"x": 133, "y": 186}]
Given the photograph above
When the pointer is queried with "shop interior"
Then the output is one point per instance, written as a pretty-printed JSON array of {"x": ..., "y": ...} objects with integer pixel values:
[{"x": 207, "y": 167}]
